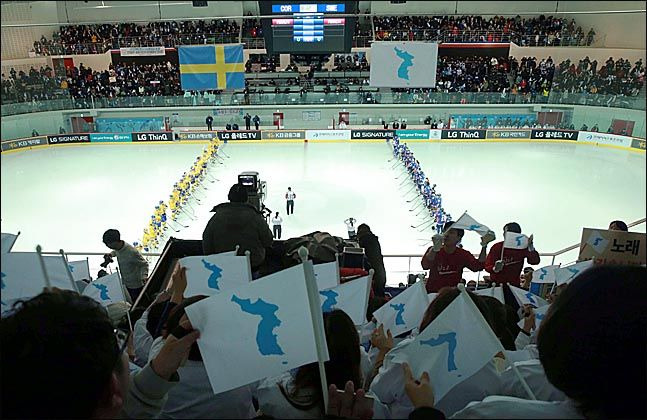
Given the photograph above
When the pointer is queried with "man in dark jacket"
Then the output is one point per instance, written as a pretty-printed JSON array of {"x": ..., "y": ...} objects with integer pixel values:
[
  {"x": 373, "y": 252},
  {"x": 237, "y": 223}
]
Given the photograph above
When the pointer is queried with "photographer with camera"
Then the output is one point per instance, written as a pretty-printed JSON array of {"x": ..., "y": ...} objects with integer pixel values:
[{"x": 132, "y": 265}]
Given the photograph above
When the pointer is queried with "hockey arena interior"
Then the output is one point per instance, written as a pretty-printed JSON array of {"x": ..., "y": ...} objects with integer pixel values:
[{"x": 323, "y": 209}]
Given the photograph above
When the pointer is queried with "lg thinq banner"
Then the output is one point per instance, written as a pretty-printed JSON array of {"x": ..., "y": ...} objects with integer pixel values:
[{"x": 403, "y": 64}]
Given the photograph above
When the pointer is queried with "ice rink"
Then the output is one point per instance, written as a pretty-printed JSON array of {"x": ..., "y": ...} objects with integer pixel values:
[{"x": 66, "y": 197}]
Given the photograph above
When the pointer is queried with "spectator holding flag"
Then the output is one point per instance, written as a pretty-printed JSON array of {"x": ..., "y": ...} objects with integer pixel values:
[
  {"x": 446, "y": 262},
  {"x": 132, "y": 265},
  {"x": 506, "y": 258}
]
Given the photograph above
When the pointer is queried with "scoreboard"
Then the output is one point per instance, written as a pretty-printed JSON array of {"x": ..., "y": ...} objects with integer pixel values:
[{"x": 311, "y": 28}]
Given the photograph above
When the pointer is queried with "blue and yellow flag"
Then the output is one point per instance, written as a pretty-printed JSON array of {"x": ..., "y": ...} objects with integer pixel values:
[{"x": 212, "y": 67}]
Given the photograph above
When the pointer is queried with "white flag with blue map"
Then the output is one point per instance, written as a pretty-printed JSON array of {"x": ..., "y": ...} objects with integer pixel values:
[
  {"x": 80, "y": 269},
  {"x": 495, "y": 292},
  {"x": 258, "y": 330},
  {"x": 211, "y": 274},
  {"x": 403, "y": 64},
  {"x": 540, "y": 314},
  {"x": 545, "y": 274},
  {"x": 467, "y": 222},
  {"x": 515, "y": 240},
  {"x": 405, "y": 311},
  {"x": 8, "y": 239},
  {"x": 106, "y": 290},
  {"x": 350, "y": 297},
  {"x": 327, "y": 275},
  {"x": 456, "y": 345},
  {"x": 565, "y": 275},
  {"x": 524, "y": 297},
  {"x": 21, "y": 276}
]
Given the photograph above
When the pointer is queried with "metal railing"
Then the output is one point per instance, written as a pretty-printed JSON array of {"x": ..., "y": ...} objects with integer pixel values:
[
  {"x": 367, "y": 95},
  {"x": 397, "y": 265}
]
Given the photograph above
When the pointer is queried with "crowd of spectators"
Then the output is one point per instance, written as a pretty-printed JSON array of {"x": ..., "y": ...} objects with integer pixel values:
[
  {"x": 351, "y": 62},
  {"x": 95, "y": 39},
  {"x": 536, "y": 31},
  {"x": 37, "y": 85},
  {"x": 613, "y": 78}
]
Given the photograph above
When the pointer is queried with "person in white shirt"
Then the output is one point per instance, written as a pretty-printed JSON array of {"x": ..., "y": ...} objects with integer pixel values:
[
  {"x": 276, "y": 225},
  {"x": 350, "y": 225},
  {"x": 342, "y": 124},
  {"x": 290, "y": 196},
  {"x": 132, "y": 265}
]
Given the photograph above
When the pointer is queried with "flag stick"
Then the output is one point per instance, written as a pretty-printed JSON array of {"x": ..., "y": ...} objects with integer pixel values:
[
  {"x": 69, "y": 272},
  {"x": 48, "y": 284},
  {"x": 317, "y": 321}
]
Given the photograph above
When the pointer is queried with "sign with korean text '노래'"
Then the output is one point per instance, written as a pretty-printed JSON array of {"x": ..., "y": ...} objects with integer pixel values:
[{"x": 613, "y": 247}]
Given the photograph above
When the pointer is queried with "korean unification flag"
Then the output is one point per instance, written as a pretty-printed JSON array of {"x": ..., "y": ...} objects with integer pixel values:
[
  {"x": 350, "y": 297},
  {"x": 212, "y": 274},
  {"x": 261, "y": 329},
  {"x": 21, "y": 276},
  {"x": 467, "y": 222},
  {"x": 8, "y": 239},
  {"x": 456, "y": 345},
  {"x": 524, "y": 297},
  {"x": 545, "y": 274},
  {"x": 540, "y": 314},
  {"x": 404, "y": 312},
  {"x": 80, "y": 269},
  {"x": 515, "y": 240},
  {"x": 565, "y": 275},
  {"x": 106, "y": 290},
  {"x": 598, "y": 242},
  {"x": 327, "y": 275},
  {"x": 495, "y": 292}
]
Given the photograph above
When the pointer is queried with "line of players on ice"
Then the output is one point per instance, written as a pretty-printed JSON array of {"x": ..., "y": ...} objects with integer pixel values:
[
  {"x": 179, "y": 200},
  {"x": 432, "y": 201}
]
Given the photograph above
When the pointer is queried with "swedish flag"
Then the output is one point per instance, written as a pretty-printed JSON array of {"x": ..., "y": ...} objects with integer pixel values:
[{"x": 212, "y": 67}]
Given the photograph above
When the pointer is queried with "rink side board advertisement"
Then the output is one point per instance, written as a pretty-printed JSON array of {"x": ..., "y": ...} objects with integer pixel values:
[
  {"x": 638, "y": 144},
  {"x": 328, "y": 134},
  {"x": 198, "y": 135},
  {"x": 412, "y": 134},
  {"x": 68, "y": 138},
  {"x": 110, "y": 137},
  {"x": 604, "y": 138},
  {"x": 613, "y": 247},
  {"x": 23, "y": 143},
  {"x": 239, "y": 135},
  {"x": 547, "y": 134},
  {"x": 508, "y": 134},
  {"x": 464, "y": 134},
  {"x": 153, "y": 136},
  {"x": 283, "y": 134},
  {"x": 372, "y": 134}
]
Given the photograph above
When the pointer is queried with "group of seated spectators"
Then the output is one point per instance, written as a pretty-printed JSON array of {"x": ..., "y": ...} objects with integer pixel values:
[
  {"x": 529, "y": 79},
  {"x": 96, "y": 39},
  {"x": 536, "y": 31},
  {"x": 612, "y": 78}
]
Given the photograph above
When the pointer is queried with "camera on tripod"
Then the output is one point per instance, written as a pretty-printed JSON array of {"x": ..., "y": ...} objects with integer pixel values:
[{"x": 256, "y": 189}]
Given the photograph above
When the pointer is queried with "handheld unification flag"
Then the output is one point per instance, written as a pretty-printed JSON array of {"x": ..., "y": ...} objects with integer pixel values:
[
  {"x": 212, "y": 67},
  {"x": 258, "y": 330},
  {"x": 350, "y": 297},
  {"x": 8, "y": 240},
  {"x": 404, "y": 312},
  {"x": 80, "y": 269},
  {"x": 456, "y": 345},
  {"x": 524, "y": 297},
  {"x": 211, "y": 274},
  {"x": 540, "y": 314},
  {"x": 565, "y": 275},
  {"x": 495, "y": 292},
  {"x": 467, "y": 222},
  {"x": 545, "y": 274},
  {"x": 515, "y": 240},
  {"x": 106, "y": 290},
  {"x": 327, "y": 275},
  {"x": 22, "y": 277}
]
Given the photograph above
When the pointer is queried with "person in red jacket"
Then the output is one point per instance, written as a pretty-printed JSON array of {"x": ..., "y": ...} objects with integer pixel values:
[
  {"x": 506, "y": 269},
  {"x": 445, "y": 261}
]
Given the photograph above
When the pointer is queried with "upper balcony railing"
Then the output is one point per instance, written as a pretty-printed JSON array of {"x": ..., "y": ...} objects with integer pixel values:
[{"x": 366, "y": 95}]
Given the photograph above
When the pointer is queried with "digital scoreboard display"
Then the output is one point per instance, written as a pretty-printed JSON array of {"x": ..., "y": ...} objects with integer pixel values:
[{"x": 308, "y": 27}]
